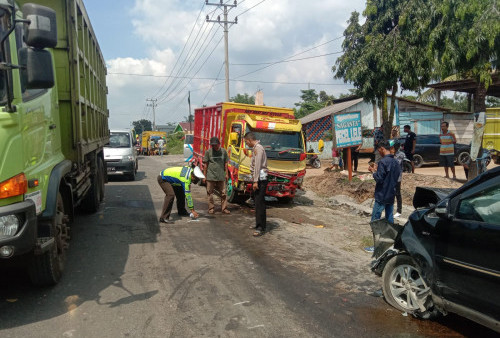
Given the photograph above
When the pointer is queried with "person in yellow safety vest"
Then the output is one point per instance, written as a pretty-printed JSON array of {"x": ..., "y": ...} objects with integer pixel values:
[{"x": 176, "y": 183}]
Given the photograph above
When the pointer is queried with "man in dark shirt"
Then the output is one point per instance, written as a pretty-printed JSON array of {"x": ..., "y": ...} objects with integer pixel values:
[
  {"x": 386, "y": 174},
  {"x": 409, "y": 147},
  {"x": 215, "y": 170}
]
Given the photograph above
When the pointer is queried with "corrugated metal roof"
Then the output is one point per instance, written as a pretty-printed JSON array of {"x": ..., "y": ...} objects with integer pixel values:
[{"x": 329, "y": 110}]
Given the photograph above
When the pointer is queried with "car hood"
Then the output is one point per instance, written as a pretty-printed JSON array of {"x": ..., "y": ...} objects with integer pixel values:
[{"x": 427, "y": 197}]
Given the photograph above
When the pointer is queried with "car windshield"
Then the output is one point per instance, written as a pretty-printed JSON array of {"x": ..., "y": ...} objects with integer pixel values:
[{"x": 119, "y": 140}]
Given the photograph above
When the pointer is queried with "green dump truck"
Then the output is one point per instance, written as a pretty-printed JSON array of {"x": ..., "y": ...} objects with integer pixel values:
[{"x": 53, "y": 126}]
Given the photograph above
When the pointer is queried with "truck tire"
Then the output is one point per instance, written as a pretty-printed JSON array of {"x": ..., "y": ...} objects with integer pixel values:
[
  {"x": 46, "y": 269},
  {"x": 232, "y": 194},
  {"x": 95, "y": 194}
]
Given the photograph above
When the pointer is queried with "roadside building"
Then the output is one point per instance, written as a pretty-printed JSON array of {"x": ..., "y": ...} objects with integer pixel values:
[
  {"x": 185, "y": 127},
  {"x": 423, "y": 119},
  {"x": 167, "y": 128}
]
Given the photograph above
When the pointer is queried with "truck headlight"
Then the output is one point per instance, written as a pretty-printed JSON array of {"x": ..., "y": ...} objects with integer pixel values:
[
  {"x": 127, "y": 158},
  {"x": 8, "y": 225},
  {"x": 245, "y": 178}
]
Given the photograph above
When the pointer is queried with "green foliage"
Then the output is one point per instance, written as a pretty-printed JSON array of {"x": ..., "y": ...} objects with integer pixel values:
[
  {"x": 385, "y": 53},
  {"x": 309, "y": 104},
  {"x": 492, "y": 102},
  {"x": 142, "y": 125},
  {"x": 465, "y": 40},
  {"x": 243, "y": 98},
  {"x": 175, "y": 143}
]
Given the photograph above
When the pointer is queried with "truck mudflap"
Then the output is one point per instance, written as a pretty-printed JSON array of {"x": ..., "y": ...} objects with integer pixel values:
[{"x": 25, "y": 238}]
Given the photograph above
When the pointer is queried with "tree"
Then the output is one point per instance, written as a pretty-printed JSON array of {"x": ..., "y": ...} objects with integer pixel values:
[
  {"x": 465, "y": 40},
  {"x": 243, "y": 98},
  {"x": 385, "y": 53},
  {"x": 309, "y": 103},
  {"x": 142, "y": 125},
  {"x": 326, "y": 99}
]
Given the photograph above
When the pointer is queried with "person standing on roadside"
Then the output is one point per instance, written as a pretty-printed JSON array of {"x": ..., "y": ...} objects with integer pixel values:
[
  {"x": 409, "y": 146},
  {"x": 386, "y": 174},
  {"x": 215, "y": 170},
  {"x": 399, "y": 156},
  {"x": 161, "y": 146},
  {"x": 378, "y": 136},
  {"x": 258, "y": 168},
  {"x": 447, "y": 150}
]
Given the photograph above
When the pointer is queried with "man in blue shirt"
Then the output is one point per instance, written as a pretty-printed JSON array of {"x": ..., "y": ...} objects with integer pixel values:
[{"x": 386, "y": 174}]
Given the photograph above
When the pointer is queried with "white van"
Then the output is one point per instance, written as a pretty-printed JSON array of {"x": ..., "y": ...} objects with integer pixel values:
[{"x": 120, "y": 154}]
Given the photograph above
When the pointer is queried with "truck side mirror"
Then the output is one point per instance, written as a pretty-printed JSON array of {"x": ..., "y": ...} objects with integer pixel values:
[
  {"x": 321, "y": 146},
  {"x": 36, "y": 68},
  {"x": 233, "y": 138},
  {"x": 41, "y": 31}
]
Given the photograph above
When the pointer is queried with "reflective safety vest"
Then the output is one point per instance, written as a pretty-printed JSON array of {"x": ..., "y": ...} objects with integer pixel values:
[{"x": 180, "y": 176}]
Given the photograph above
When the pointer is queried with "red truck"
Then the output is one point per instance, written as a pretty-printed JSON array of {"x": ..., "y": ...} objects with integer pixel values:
[{"x": 278, "y": 131}]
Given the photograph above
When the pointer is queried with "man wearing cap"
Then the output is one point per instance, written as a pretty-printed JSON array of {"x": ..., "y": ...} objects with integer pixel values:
[
  {"x": 215, "y": 170},
  {"x": 176, "y": 183}
]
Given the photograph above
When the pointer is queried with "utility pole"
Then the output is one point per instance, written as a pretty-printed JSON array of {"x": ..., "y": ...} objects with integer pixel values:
[
  {"x": 189, "y": 103},
  {"x": 154, "y": 105},
  {"x": 225, "y": 23}
]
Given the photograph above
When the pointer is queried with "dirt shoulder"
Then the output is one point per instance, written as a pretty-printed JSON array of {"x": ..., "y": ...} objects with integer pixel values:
[{"x": 335, "y": 183}]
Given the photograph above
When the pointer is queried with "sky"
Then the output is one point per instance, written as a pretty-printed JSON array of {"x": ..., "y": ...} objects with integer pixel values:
[{"x": 162, "y": 49}]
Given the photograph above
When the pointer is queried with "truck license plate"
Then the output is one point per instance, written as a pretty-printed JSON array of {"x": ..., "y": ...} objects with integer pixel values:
[{"x": 111, "y": 169}]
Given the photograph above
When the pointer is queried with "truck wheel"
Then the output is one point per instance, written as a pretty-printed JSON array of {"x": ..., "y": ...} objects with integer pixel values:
[
  {"x": 96, "y": 192},
  {"x": 46, "y": 269},
  {"x": 232, "y": 194}
]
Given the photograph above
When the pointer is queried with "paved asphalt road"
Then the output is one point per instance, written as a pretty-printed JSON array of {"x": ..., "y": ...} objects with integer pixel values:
[{"x": 128, "y": 276}]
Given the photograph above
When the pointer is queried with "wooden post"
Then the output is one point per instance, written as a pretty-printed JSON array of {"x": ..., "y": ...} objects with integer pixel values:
[{"x": 349, "y": 163}]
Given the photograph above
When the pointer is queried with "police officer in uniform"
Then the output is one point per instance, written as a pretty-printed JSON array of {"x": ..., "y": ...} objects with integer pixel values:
[{"x": 176, "y": 183}]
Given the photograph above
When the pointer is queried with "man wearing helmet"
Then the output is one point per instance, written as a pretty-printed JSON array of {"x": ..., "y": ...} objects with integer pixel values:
[{"x": 176, "y": 183}]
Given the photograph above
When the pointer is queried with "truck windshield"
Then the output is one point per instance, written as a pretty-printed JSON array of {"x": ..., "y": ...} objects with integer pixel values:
[
  {"x": 282, "y": 145},
  {"x": 119, "y": 140}
]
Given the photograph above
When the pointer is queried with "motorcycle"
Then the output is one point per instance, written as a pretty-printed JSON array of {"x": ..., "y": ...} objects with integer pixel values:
[{"x": 313, "y": 161}]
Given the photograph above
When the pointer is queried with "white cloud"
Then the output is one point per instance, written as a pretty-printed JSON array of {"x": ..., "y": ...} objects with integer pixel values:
[{"x": 273, "y": 30}]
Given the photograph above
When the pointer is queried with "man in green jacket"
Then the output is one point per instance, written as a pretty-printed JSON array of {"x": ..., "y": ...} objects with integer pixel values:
[{"x": 176, "y": 183}]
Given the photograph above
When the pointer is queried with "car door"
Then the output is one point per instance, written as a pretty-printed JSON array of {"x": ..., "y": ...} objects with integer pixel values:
[{"x": 468, "y": 249}]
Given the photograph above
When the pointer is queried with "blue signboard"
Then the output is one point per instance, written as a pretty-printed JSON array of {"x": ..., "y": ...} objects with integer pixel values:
[{"x": 347, "y": 129}]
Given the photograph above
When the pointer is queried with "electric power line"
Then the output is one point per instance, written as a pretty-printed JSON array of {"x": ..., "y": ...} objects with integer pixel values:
[
  {"x": 194, "y": 25},
  {"x": 249, "y": 8}
]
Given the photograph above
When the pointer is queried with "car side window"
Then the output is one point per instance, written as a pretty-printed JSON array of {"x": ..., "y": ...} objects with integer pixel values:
[{"x": 481, "y": 207}]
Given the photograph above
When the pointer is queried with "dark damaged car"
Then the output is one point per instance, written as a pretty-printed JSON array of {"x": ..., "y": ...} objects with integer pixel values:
[{"x": 446, "y": 258}]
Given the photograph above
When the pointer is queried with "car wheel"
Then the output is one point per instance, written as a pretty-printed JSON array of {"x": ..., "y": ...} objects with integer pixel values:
[
  {"x": 463, "y": 157},
  {"x": 317, "y": 163},
  {"x": 404, "y": 288},
  {"x": 418, "y": 160}
]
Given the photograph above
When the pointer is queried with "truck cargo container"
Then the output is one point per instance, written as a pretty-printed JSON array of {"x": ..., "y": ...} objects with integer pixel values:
[
  {"x": 53, "y": 126},
  {"x": 278, "y": 131}
]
